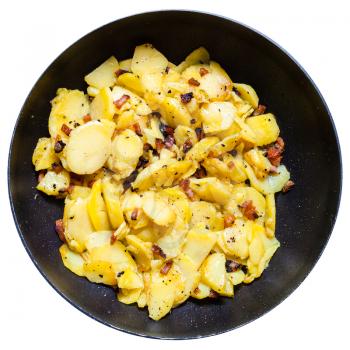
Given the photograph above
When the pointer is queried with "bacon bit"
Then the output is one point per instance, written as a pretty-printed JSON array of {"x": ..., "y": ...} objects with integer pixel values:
[
  {"x": 200, "y": 173},
  {"x": 142, "y": 162},
  {"x": 129, "y": 180},
  {"x": 166, "y": 267},
  {"x": 213, "y": 294},
  {"x": 169, "y": 141},
  {"x": 134, "y": 214},
  {"x": 136, "y": 127},
  {"x": 196, "y": 290},
  {"x": 119, "y": 103},
  {"x": 229, "y": 220},
  {"x": 274, "y": 152},
  {"x": 66, "y": 129},
  {"x": 288, "y": 186},
  {"x": 70, "y": 189},
  {"x": 203, "y": 71},
  {"x": 187, "y": 145},
  {"x": 57, "y": 168},
  {"x": 186, "y": 98},
  {"x": 232, "y": 266},
  {"x": 159, "y": 145},
  {"x": 59, "y": 145},
  {"x": 91, "y": 183},
  {"x": 119, "y": 72},
  {"x": 193, "y": 82},
  {"x": 113, "y": 238},
  {"x": 87, "y": 118},
  {"x": 158, "y": 251},
  {"x": 185, "y": 186},
  {"x": 41, "y": 175},
  {"x": 231, "y": 164},
  {"x": 200, "y": 133},
  {"x": 249, "y": 210},
  {"x": 166, "y": 130},
  {"x": 147, "y": 147},
  {"x": 59, "y": 227},
  {"x": 260, "y": 110}
]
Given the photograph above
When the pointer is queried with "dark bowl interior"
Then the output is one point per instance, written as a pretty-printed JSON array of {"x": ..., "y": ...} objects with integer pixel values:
[{"x": 306, "y": 215}]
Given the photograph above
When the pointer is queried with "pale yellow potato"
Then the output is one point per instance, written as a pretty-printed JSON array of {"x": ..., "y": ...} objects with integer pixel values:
[
  {"x": 174, "y": 112},
  {"x": 88, "y": 148},
  {"x": 201, "y": 149},
  {"x": 44, "y": 155},
  {"x": 200, "y": 55},
  {"x": 236, "y": 277},
  {"x": 130, "y": 279},
  {"x": 214, "y": 272},
  {"x": 183, "y": 133},
  {"x": 103, "y": 75},
  {"x": 142, "y": 251},
  {"x": 79, "y": 192},
  {"x": 129, "y": 296},
  {"x": 270, "y": 217},
  {"x": 100, "y": 272},
  {"x": 132, "y": 82},
  {"x": 125, "y": 64}
]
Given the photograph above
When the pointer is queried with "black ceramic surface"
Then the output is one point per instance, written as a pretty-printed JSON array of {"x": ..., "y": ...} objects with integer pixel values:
[{"x": 305, "y": 216}]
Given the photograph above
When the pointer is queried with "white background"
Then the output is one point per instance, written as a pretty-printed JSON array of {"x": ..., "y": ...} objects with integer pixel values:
[{"x": 33, "y": 33}]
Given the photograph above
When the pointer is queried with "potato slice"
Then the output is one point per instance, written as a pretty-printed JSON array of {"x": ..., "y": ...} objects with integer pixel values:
[
  {"x": 217, "y": 116},
  {"x": 236, "y": 277},
  {"x": 130, "y": 279},
  {"x": 125, "y": 64},
  {"x": 200, "y": 55},
  {"x": 88, "y": 148},
  {"x": 79, "y": 192},
  {"x": 203, "y": 213},
  {"x": 72, "y": 260},
  {"x": 54, "y": 184},
  {"x": 183, "y": 133},
  {"x": 270, "y": 218},
  {"x": 147, "y": 60},
  {"x": 132, "y": 82},
  {"x": 97, "y": 208},
  {"x": 214, "y": 272},
  {"x": 100, "y": 272},
  {"x": 102, "y": 106},
  {"x": 97, "y": 239},
  {"x": 76, "y": 223},
  {"x": 111, "y": 196},
  {"x": 174, "y": 112},
  {"x": 157, "y": 209},
  {"x": 44, "y": 155},
  {"x": 270, "y": 184},
  {"x": 201, "y": 149},
  {"x": 103, "y": 75},
  {"x": 260, "y": 164},
  {"x": 134, "y": 102},
  {"x": 211, "y": 189},
  {"x": 265, "y": 128},
  {"x": 142, "y": 251},
  {"x": 162, "y": 292},
  {"x": 129, "y": 296},
  {"x": 248, "y": 94},
  {"x": 68, "y": 107},
  {"x": 198, "y": 245},
  {"x": 202, "y": 291}
]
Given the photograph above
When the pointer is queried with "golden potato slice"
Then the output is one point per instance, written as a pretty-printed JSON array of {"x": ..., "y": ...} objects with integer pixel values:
[
  {"x": 203, "y": 213},
  {"x": 265, "y": 128},
  {"x": 76, "y": 223},
  {"x": 97, "y": 239},
  {"x": 147, "y": 60},
  {"x": 248, "y": 94},
  {"x": 211, "y": 189},
  {"x": 72, "y": 260},
  {"x": 100, "y": 272},
  {"x": 130, "y": 279},
  {"x": 44, "y": 155},
  {"x": 174, "y": 112},
  {"x": 129, "y": 296},
  {"x": 103, "y": 75},
  {"x": 201, "y": 291},
  {"x": 88, "y": 148},
  {"x": 200, "y": 55},
  {"x": 260, "y": 164},
  {"x": 102, "y": 106},
  {"x": 270, "y": 218},
  {"x": 97, "y": 208},
  {"x": 125, "y": 64},
  {"x": 217, "y": 116},
  {"x": 201, "y": 149},
  {"x": 236, "y": 277},
  {"x": 132, "y": 82},
  {"x": 183, "y": 133},
  {"x": 214, "y": 271},
  {"x": 142, "y": 251},
  {"x": 198, "y": 245}
]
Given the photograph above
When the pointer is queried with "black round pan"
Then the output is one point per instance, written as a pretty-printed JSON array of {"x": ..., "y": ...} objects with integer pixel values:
[{"x": 305, "y": 216}]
